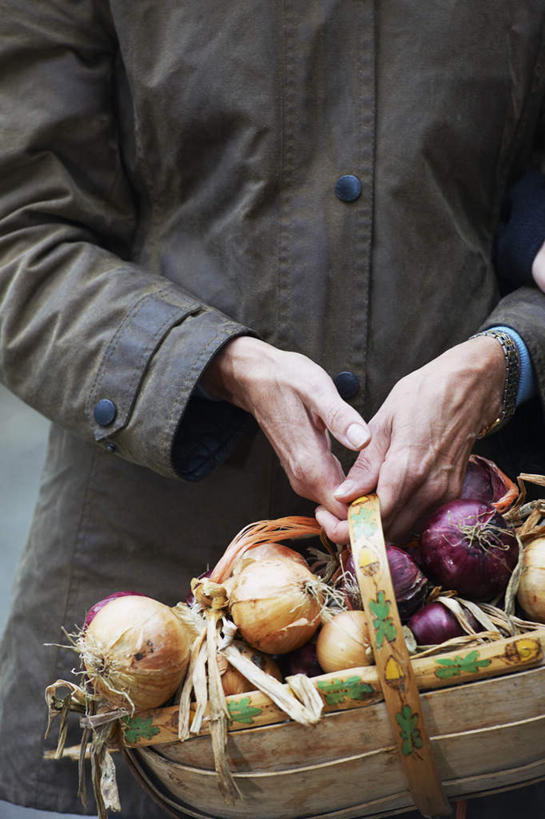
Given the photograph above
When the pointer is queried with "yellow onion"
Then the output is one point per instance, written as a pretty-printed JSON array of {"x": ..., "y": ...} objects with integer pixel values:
[
  {"x": 233, "y": 681},
  {"x": 267, "y": 551},
  {"x": 531, "y": 591},
  {"x": 135, "y": 652},
  {"x": 276, "y": 604},
  {"x": 344, "y": 642}
]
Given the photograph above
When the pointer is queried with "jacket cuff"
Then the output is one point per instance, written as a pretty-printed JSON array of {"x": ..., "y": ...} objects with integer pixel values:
[
  {"x": 207, "y": 434},
  {"x": 151, "y": 403}
]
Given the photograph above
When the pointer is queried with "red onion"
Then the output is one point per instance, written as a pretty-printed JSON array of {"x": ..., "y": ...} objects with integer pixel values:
[
  {"x": 484, "y": 481},
  {"x": 94, "y": 610},
  {"x": 411, "y": 587},
  {"x": 468, "y": 546},
  {"x": 434, "y": 623},
  {"x": 302, "y": 661}
]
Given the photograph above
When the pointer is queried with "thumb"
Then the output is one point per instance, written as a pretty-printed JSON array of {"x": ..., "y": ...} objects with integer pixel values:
[{"x": 364, "y": 474}]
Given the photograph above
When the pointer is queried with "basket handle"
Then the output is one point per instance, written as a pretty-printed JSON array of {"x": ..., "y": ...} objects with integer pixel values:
[{"x": 392, "y": 657}]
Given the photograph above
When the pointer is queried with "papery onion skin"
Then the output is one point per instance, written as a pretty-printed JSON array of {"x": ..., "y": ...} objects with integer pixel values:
[
  {"x": 434, "y": 623},
  {"x": 485, "y": 481},
  {"x": 190, "y": 597},
  {"x": 93, "y": 611},
  {"x": 531, "y": 590},
  {"x": 233, "y": 681},
  {"x": 135, "y": 652},
  {"x": 467, "y": 546},
  {"x": 344, "y": 642},
  {"x": 411, "y": 586},
  {"x": 273, "y": 605}
]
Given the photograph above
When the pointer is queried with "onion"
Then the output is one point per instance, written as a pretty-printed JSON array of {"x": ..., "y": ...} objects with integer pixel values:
[
  {"x": 466, "y": 545},
  {"x": 267, "y": 551},
  {"x": 486, "y": 482},
  {"x": 90, "y": 616},
  {"x": 263, "y": 532},
  {"x": 303, "y": 660},
  {"x": 344, "y": 642},
  {"x": 531, "y": 591},
  {"x": 411, "y": 587},
  {"x": 233, "y": 681},
  {"x": 135, "y": 651},
  {"x": 276, "y": 604},
  {"x": 434, "y": 623}
]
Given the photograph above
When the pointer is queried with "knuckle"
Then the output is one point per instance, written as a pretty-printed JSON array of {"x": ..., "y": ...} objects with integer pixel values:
[
  {"x": 361, "y": 466},
  {"x": 304, "y": 475},
  {"x": 334, "y": 415},
  {"x": 418, "y": 471},
  {"x": 337, "y": 531}
]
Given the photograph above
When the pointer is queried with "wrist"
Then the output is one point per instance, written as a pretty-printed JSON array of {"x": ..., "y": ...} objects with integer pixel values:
[
  {"x": 227, "y": 375},
  {"x": 507, "y": 349}
]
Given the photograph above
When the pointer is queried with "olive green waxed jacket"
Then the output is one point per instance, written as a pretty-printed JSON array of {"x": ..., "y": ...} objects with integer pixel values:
[{"x": 167, "y": 182}]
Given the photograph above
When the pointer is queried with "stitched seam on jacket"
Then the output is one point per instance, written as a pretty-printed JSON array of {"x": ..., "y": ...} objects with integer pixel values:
[
  {"x": 289, "y": 113},
  {"x": 364, "y": 236}
]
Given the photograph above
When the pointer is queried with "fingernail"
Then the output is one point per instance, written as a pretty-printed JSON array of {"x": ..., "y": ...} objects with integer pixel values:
[
  {"x": 344, "y": 489},
  {"x": 357, "y": 435}
]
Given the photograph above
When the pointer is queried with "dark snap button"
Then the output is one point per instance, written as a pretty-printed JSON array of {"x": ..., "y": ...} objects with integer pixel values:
[
  {"x": 348, "y": 188},
  {"x": 347, "y": 384},
  {"x": 105, "y": 412}
]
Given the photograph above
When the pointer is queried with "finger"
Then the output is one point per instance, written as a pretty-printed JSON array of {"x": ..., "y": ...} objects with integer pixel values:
[
  {"x": 364, "y": 474},
  {"x": 343, "y": 421},
  {"x": 304, "y": 452},
  {"x": 336, "y": 529}
]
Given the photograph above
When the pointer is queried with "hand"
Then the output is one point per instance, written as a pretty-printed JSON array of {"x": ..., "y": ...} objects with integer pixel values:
[
  {"x": 296, "y": 404},
  {"x": 422, "y": 437}
]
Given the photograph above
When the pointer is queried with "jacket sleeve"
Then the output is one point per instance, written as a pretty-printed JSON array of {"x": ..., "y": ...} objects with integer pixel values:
[
  {"x": 524, "y": 311},
  {"x": 104, "y": 347}
]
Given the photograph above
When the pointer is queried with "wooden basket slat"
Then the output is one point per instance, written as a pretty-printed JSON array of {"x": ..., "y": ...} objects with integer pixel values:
[
  {"x": 459, "y": 753},
  {"x": 452, "y": 710}
]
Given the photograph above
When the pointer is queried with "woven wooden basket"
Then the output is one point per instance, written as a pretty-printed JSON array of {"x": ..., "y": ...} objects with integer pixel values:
[{"x": 382, "y": 747}]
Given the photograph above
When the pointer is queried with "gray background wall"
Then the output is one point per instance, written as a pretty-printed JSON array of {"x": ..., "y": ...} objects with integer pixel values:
[{"x": 23, "y": 435}]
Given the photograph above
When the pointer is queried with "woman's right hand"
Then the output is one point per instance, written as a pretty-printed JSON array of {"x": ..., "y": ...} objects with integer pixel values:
[{"x": 297, "y": 405}]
